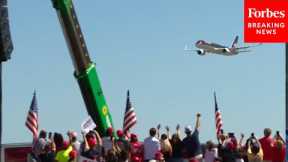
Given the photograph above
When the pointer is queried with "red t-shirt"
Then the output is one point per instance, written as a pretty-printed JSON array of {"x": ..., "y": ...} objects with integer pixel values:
[
  {"x": 267, "y": 146},
  {"x": 278, "y": 155},
  {"x": 136, "y": 151}
]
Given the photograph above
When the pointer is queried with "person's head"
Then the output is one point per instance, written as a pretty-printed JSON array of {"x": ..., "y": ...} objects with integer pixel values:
[
  {"x": 164, "y": 137},
  {"x": 267, "y": 132},
  {"x": 255, "y": 148},
  {"x": 58, "y": 139},
  {"x": 152, "y": 132},
  {"x": 209, "y": 145},
  {"x": 91, "y": 140},
  {"x": 42, "y": 134},
  {"x": 231, "y": 135},
  {"x": 133, "y": 138},
  {"x": 175, "y": 138},
  {"x": 188, "y": 129},
  {"x": 72, "y": 136}
]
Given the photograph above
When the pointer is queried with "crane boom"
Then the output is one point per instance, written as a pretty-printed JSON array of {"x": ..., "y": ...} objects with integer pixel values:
[{"x": 85, "y": 70}]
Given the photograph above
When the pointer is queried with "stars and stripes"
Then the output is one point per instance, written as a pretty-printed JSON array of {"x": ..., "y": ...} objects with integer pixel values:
[
  {"x": 32, "y": 117},
  {"x": 130, "y": 116},
  {"x": 218, "y": 118}
]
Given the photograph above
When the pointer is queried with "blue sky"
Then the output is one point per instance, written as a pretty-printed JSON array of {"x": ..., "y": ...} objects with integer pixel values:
[{"x": 138, "y": 45}]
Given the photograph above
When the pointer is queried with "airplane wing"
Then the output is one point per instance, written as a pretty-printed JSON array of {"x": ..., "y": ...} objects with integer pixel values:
[
  {"x": 244, "y": 51},
  {"x": 245, "y": 47}
]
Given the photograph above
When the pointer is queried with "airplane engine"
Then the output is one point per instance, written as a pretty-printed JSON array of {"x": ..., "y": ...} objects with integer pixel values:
[
  {"x": 226, "y": 50},
  {"x": 201, "y": 52}
]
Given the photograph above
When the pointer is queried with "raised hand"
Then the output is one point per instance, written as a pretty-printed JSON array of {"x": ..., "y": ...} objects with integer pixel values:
[
  {"x": 178, "y": 127},
  {"x": 158, "y": 126},
  {"x": 167, "y": 128}
]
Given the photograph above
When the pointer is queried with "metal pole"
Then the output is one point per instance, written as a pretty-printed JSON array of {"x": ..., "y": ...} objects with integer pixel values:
[{"x": 0, "y": 110}]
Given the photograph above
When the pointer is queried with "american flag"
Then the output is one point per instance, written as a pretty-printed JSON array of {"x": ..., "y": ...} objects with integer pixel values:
[
  {"x": 32, "y": 117},
  {"x": 218, "y": 118},
  {"x": 130, "y": 116}
]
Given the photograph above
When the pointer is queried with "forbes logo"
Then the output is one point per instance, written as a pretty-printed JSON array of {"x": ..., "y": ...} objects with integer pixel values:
[{"x": 268, "y": 13}]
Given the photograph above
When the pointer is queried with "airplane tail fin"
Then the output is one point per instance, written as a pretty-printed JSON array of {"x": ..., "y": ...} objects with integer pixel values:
[{"x": 234, "y": 44}]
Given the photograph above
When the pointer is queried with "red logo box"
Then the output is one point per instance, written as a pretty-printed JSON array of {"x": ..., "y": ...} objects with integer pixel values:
[{"x": 265, "y": 21}]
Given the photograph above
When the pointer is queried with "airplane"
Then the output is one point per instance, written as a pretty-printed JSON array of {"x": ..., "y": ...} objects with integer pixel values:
[{"x": 215, "y": 48}]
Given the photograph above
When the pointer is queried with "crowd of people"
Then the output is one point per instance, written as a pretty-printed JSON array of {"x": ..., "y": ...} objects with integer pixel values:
[{"x": 157, "y": 148}]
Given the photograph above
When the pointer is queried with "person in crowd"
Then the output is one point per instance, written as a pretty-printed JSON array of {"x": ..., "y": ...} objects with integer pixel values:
[
  {"x": 73, "y": 140},
  {"x": 111, "y": 156},
  {"x": 151, "y": 146},
  {"x": 177, "y": 146},
  {"x": 92, "y": 147},
  {"x": 221, "y": 137},
  {"x": 108, "y": 140},
  {"x": 227, "y": 150},
  {"x": 50, "y": 150},
  {"x": 63, "y": 154},
  {"x": 58, "y": 140},
  {"x": 267, "y": 144},
  {"x": 158, "y": 127},
  {"x": 166, "y": 148},
  {"x": 123, "y": 145},
  {"x": 211, "y": 152},
  {"x": 254, "y": 151},
  {"x": 136, "y": 149},
  {"x": 241, "y": 149},
  {"x": 191, "y": 143},
  {"x": 38, "y": 149},
  {"x": 278, "y": 150}
]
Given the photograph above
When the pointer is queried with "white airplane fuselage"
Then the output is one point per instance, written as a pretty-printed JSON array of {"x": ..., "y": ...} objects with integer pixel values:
[{"x": 215, "y": 48}]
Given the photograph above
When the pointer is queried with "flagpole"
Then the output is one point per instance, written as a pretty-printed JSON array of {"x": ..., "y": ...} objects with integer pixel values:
[{"x": 0, "y": 110}]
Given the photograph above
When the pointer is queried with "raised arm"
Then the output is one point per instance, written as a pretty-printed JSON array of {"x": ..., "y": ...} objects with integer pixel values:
[
  {"x": 168, "y": 131},
  {"x": 197, "y": 126},
  {"x": 241, "y": 140},
  {"x": 158, "y": 131},
  {"x": 86, "y": 146},
  {"x": 98, "y": 138},
  {"x": 178, "y": 130}
]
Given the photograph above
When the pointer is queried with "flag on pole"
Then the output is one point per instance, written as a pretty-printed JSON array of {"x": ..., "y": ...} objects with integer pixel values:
[
  {"x": 218, "y": 118},
  {"x": 130, "y": 115},
  {"x": 32, "y": 117}
]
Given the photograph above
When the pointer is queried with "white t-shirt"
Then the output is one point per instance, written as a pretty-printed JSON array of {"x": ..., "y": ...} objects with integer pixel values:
[
  {"x": 151, "y": 147},
  {"x": 210, "y": 155}
]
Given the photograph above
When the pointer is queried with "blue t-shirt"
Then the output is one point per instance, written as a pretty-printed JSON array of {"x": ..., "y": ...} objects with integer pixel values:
[{"x": 191, "y": 145}]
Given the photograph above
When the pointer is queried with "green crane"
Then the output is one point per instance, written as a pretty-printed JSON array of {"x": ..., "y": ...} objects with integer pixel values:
[{"x": 85, "y": 70}]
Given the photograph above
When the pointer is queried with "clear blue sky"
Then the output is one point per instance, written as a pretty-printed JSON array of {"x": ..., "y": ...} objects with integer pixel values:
[{"x": 138, "y": 45}]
